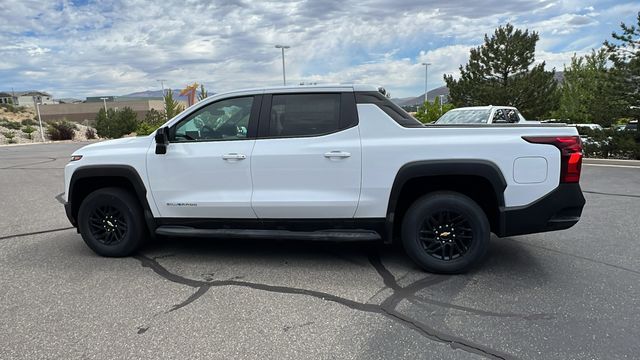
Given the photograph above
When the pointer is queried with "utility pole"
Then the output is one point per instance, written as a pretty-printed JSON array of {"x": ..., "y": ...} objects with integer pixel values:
[
  {"x": 426, "y": 78},
  {"x": 35, "y": 102},
  {"x": 284, "y": 78}
]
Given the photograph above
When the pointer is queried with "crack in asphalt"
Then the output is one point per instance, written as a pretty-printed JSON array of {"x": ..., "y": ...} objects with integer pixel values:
[
  {"x": 610, "y": 194},
  {"x": 387, "y": 308},
  {"x": 35, "y": 233},
  {"x": 47, "y": 160}
]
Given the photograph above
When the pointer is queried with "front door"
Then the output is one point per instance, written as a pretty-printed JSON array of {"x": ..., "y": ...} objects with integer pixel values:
[
  {"x": 206, "y": 171},
  {"x": 306, "y": 162}
]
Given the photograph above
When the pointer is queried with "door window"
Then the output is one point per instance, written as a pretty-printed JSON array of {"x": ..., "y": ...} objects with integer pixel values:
[
  {"x": 223, "y": 120},
  {"x": 304, "y": 115}
]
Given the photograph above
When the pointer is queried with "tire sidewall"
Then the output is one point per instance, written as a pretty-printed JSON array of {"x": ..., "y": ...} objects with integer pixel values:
[
  {"x": 128, "y": 206},
  {"x": 427, "y": 205}
]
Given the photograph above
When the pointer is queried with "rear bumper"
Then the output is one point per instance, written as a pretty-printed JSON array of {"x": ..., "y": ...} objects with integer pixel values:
[
  {"x": 67, "y": 210},
  {"x": 558, "y": 210}
]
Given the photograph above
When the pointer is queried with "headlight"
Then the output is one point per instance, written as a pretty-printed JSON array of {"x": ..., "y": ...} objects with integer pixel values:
[{"x": 76, "y": 157}]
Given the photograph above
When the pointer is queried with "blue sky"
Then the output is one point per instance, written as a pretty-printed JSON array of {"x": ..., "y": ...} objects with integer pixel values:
[{"x": 86, "y": 47}]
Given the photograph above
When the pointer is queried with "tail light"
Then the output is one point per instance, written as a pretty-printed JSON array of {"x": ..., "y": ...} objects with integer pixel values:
[{"x": 570, "y": 154}]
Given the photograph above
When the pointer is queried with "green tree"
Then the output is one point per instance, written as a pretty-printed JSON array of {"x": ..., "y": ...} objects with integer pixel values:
[
  {"x": 172, "y": 107},
  {"x": 587, "y": 92},
  {"x": 116, "y": 123},
  {"x": 501, "y": 72},
  {"x": 152, "y": 120},
  {"x": 432, "y": 111},
  {"x": 624, "y": 52},
  {"x": 203, "y": 93}
]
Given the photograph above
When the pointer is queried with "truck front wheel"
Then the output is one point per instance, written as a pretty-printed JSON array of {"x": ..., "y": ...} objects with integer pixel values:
[
  {"x": 111, "y": 223},
  {"x": 445, "y": 232}
]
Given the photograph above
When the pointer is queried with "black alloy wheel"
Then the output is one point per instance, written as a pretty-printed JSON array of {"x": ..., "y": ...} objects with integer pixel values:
[{"x": 445, "y": 232}]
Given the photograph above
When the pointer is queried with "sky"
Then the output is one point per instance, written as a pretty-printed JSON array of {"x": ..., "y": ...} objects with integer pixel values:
[{"x": 95, "y": 47}]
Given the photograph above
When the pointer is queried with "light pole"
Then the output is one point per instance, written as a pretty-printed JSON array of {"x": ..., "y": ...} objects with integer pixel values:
[
  {"x": 284, "y": 77},
  {"x": 426, "y": 77},
  {"x": 161, "y": 81},
  {"x": 39, "y": 118},
  {"x": 104, "y": 100}
]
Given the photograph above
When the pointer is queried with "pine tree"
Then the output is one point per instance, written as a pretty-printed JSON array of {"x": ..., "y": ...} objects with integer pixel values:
[
  {"x": 501, "y": 72},
  {"x": 624, "y": 52}
]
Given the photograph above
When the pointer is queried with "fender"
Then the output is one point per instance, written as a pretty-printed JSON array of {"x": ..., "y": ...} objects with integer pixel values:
[
  {"x": 482, "y": 168},
  {"x": 100, "y": 171}
]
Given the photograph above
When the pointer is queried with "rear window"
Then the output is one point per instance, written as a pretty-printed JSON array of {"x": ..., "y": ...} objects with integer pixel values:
[
  {"x": 304, "y": 114},
  {"x": 475, "y": 116}
]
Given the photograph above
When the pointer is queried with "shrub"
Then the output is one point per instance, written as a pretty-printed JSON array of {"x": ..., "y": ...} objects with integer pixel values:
[
  {"x": 28, "y": 122},
  {"x": 152, "y": 120},
  {"x": 116, "y": 123},
  {"x": 28, "y": 130},
  {"x": 13, "y": 125},
  {"x": 90, "y": 133},
  {"x": 61, "y": 130},
  {"x": 9, "y": 136}
]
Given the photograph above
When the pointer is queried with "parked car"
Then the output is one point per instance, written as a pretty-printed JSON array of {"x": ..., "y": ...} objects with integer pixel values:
[
  {"x": 482, "y": 115},
  {"x": 339, "y": 163},
  {"x": 631, "y": 126},
  {"x": 588, "y": 126}
]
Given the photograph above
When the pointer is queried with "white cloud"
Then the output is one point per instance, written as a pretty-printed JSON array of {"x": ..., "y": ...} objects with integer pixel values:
[{"x": 123, "y": 46}]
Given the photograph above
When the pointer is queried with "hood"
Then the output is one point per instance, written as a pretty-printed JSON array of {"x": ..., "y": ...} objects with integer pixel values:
[{"x": 129, "y": 142}]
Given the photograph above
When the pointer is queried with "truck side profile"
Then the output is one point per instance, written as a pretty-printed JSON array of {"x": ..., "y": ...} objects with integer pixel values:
[{"x": 339, "y": 163}]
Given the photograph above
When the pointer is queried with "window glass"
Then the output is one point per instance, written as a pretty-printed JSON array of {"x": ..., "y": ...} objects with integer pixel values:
[
  {"x": 222, "y": 120},
  {"x": 472, "y": 116},
  {"x": 512, "y": 115},
  {"x": 304, "y": 114},
  {"x": 499, "y": 116}
]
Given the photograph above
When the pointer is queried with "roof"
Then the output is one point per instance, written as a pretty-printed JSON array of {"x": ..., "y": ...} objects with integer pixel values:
[
  {"x": 306, "y": 88},
  {"x": 4, "y": 94},
  {"x": 32, "y": 93},
  {"x": 487, "y": 107}
]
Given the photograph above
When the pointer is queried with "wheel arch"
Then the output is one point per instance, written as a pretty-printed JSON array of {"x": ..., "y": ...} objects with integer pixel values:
[
  {"x": 419, "y": 178},
  {"x": 89, "y": 178}
]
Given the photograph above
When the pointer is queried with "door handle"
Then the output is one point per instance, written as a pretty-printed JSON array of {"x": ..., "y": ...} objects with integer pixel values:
[
  {"x": 234, "y": 156},
  {"x": 337, "y": 154}
]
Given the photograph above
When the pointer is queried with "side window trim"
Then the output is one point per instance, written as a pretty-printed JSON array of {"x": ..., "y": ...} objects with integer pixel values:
[
  {"x": 252, "y": 128},
  {"x": 348, "y": 115}
]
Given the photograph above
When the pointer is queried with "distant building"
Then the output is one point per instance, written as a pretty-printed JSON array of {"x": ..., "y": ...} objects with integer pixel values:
[
  {"x": 92, "y": 99},
  {"x": 88, "y": 110},
  {"x": 6, "y": 98},
  {"x": 27, "y": 98}
]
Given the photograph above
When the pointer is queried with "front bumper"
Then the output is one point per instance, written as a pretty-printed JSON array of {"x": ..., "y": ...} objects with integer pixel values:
[{"x": 558, "y": 210}]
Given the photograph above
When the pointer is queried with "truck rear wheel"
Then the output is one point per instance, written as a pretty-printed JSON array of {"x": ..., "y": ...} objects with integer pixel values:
[
  {"x": 111, "y": 223},
  {"x": 445, "y": 232}
]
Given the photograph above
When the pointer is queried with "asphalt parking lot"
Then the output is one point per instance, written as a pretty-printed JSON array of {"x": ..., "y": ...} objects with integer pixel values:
[{"x": 573, "y": 294}]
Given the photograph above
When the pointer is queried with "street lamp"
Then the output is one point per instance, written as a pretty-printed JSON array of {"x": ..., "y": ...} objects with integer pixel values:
[
  {"x": 37, "y": 103},
  {"x": 161, "y": 81},
  {"x": 282, "y": 47},
  {"x": 426, "y": 77}
]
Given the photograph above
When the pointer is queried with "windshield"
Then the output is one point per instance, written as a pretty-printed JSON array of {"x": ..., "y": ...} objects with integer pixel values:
[{"x": 472, "y": 116}]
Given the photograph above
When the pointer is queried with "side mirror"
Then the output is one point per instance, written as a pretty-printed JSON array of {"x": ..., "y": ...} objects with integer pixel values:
[{"x": 162, "y": 140}]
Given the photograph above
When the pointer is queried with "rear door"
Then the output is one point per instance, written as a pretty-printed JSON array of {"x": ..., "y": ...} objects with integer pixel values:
[{"x": 306, "y": 162}]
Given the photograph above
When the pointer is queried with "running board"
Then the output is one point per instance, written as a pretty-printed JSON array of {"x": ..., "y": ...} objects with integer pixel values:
[{"x": 322, "y": 235}]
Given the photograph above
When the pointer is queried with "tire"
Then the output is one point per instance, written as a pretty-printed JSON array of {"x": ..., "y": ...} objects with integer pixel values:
[
  {"x": 114, "y": 209},
  {"x": 432, "y": 240}
]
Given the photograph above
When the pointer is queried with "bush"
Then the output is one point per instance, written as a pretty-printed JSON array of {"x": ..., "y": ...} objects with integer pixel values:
[
  {"x": 9, "y": 136},
  {"x": 116, "y": 123},
  {"x": 13, "y": 125},
  {"x": 28, "y": 130},
  {"x": 61, "y": 130},
  {"x": 610, "y": 144},
  {"x": 29, "y": 122},
  {"x": 152, "y": 120},
  {"x": 90, "y": 133}
]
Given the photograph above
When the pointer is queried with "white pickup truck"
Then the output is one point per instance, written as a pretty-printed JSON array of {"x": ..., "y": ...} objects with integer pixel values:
[
  {"x": 338, "y": 163},
  {"x": 490, "y": 114}
]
